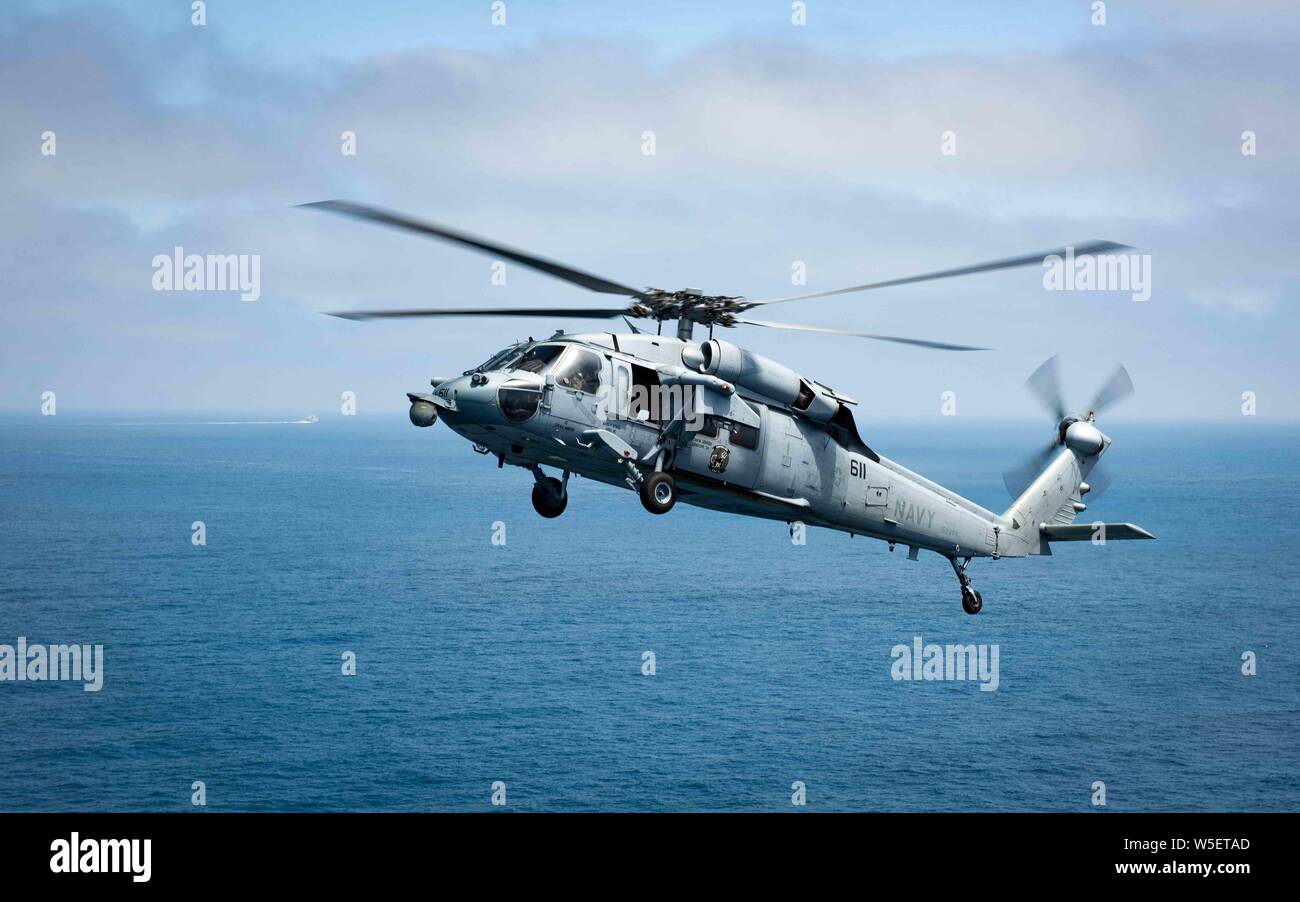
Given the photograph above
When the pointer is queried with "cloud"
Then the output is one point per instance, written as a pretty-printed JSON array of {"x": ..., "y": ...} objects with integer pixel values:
[{"x": 767, "y": 153}]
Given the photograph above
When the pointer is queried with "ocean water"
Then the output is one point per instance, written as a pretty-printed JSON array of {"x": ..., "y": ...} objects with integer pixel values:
[{"x": 522, "y": 662}]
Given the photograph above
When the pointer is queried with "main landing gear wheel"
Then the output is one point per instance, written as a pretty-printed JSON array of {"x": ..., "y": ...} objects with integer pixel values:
[
  {"x": 658, "y": 493},
  {"x": 549, "y": 497}
]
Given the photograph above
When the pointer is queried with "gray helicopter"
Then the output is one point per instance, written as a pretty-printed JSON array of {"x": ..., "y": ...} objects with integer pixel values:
[{"x": 730, "y": 430}]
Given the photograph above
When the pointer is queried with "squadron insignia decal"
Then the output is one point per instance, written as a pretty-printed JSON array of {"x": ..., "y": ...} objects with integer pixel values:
[{"x": 719, "y": 458}]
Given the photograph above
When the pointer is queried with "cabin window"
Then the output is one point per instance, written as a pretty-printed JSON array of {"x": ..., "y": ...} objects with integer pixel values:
[
  {"x": 744, "y": 436},
  {"x": 739, "y": 434},
  {"x": 579, "y": 370}
]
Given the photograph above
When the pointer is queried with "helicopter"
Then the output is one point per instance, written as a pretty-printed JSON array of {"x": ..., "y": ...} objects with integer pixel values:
[{"x": 727, "y": 429}]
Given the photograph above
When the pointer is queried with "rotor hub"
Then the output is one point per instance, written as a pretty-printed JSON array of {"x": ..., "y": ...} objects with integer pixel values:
[{"x": 691, "y": 304}]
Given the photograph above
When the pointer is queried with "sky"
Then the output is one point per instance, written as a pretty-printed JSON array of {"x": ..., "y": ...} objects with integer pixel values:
[{"x": 775, "y": 144}]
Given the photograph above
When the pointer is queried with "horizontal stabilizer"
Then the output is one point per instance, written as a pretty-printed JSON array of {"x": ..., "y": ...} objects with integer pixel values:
[{"x": 1082, "y": 532}]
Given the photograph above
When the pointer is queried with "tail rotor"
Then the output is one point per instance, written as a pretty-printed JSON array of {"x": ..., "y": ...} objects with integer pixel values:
[
  {"x": 1045, "y": 385},
  {"x": 1117, "y": 388}
]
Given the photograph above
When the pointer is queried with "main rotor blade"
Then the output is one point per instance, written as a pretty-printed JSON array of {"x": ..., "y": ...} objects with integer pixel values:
[
  {"x": 1118, "y": 387},
  {"x": 571, "y": 312},
  {"x": 1045, "y": 383},
  {"x": 1079, "y": 250},
  {"x": 906, "y": 341},
  {"x": 551, "y": 268}
]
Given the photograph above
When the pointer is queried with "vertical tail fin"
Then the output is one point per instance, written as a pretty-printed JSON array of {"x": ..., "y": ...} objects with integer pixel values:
[
  {"x": 1055, "y": 477},
  {"x": 1053, "y": 498}
]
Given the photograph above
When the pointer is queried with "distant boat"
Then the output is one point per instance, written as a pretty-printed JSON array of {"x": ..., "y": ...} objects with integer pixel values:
[{"x": 312, "y": 418}]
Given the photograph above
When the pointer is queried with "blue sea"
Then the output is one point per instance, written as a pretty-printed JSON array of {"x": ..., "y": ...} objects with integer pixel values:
[{"x": 522, "y": 662}]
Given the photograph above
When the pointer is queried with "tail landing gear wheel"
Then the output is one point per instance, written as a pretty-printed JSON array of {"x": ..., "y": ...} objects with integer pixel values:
[
  {"x": 658, "y": 493},
  {"x": 971, "y": 601},
  {"x": 549, "y": 498}
]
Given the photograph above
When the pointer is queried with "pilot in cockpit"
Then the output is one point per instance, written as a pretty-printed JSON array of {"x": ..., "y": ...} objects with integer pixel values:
[
  {"x": 584, "y": 376},
  {"x": 588, "y": 375}
]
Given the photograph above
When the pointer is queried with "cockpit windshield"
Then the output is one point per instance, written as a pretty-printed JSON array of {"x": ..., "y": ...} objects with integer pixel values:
[
  {"x": 500, "y": 360},
  {"x": 537, "y": 358}
]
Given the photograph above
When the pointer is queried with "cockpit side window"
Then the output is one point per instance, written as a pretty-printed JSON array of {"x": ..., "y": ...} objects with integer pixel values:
[
  {"x": 579, "y": 370},
  {"x": 537, "y": 358}
]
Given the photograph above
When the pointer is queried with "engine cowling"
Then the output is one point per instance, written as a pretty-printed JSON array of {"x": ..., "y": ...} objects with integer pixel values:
[{"x": 762, "y": 376}]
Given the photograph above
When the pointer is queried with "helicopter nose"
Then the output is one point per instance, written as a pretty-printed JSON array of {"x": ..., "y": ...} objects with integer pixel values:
[
  {"x": 474, "y": 396},
  {"x": 496, "y": 398}
]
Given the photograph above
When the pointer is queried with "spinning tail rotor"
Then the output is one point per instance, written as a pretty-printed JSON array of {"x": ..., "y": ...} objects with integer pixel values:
[{"x": 1045, "y": 384}]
